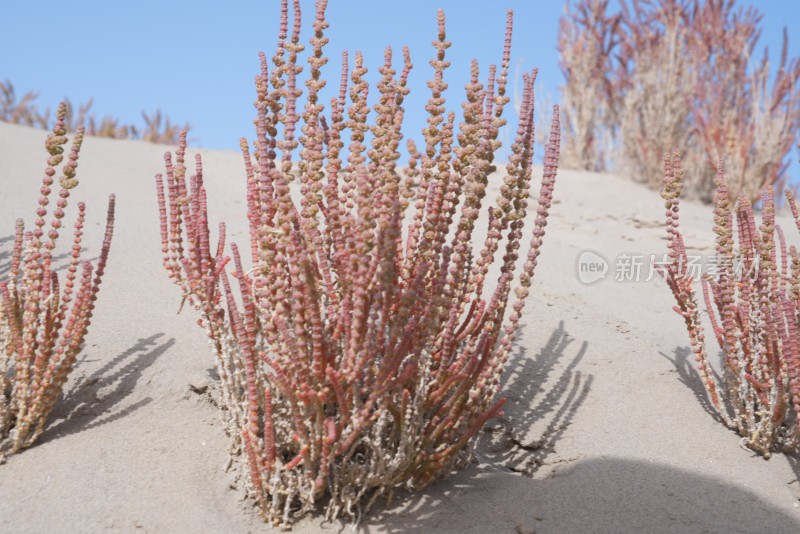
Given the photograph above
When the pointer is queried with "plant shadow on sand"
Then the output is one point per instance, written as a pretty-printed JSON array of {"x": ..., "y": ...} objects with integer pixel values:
[
  {"x": 59, "y": 261},
  {"x": 689, "y": 377},
  {"x": 608, "y": 495},
  {"x": 6, "y": 249},
  {"x": 588, "y": 495},
  {"x": 526, "y": 435},
  {"x": 92, "y": 399},
  {"x": 540, "y": 408}
]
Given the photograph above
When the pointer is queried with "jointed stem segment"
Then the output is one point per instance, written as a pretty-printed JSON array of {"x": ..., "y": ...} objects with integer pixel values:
[{"x": 362, "y": 351}]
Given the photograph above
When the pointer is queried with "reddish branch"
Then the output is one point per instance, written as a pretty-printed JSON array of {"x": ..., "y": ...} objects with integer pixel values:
[
  {"x": 753, "y": 306},
  {"x": 363, "y": 348},
  {"x": 43, "y": 324}
]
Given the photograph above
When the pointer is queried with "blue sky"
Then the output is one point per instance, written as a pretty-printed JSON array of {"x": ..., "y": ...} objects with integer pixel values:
[{"x": 196, "y": 60}]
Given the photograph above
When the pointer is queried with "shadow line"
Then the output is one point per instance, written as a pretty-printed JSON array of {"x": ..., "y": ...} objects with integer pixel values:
[
  {"x": 92, "y": 399},
  {"x": 5, "y": 254},
  {"x": 690, "y": 377},
  {"x": 58, "y": 262},
  {"x": 592, "y": 495},
  {"x": 504, "y": 442}
]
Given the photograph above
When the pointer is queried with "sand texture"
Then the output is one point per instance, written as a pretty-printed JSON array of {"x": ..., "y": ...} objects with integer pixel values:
[{"x": 607, "y": 428}]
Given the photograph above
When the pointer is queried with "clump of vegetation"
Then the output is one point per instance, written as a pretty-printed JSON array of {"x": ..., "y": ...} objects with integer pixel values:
[
  {"x": 753, "y": 301},
  {"x": 42, "y": 323},
  {"x": 364, "y": 345},
  {"x": 664, "y": 73},
  {"x": 157, "y": 128}
]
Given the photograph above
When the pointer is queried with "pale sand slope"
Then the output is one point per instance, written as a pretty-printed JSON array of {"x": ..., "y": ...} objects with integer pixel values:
[{"x": 604, "y": 412}]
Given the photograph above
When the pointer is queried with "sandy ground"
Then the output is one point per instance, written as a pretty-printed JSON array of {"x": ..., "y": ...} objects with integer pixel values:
[{"x": 607, "y": 427}]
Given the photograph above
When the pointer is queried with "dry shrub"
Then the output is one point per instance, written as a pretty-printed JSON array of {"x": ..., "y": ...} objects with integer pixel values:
[
  {"x": 586, "y": 39},
  {"x": 42, "y": 325},
  {"x": 22, "y": 111},
  {"x": 679, "y": 73},
  {"x": 156, "y": 129},
  {"x": 737, "y": 114},
  {"x": 753, "y": 301},
  {"x": 655, "y": 70},
  {"x": 363, "y": 349}
]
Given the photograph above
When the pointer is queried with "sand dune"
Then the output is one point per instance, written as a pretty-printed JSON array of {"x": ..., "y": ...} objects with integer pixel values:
[{"x": 606, "y": 430}]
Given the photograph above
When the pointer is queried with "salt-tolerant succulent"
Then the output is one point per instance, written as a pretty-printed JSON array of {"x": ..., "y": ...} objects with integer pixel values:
[
  {"x": 363, "y": 347},
  {"x": 42, "y": 324},
  {"x": 753, "y": 301},
  {"x": 645, "y": 76}
]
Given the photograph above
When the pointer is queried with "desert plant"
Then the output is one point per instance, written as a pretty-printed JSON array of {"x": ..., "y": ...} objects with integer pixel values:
[
  {"x": 42, "y": 326},
  {"x": 735, "y": 113},
  {"x": 679, "y": 73},
  {"x": 157, "y": 128},
  {"x": 19, "y": 111},
  {"x": 587, "y": 38},
  {"x": 654, "y": 71},
  {"x": 753, "y": 302},
  {"x": 365, "y": 348}
]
